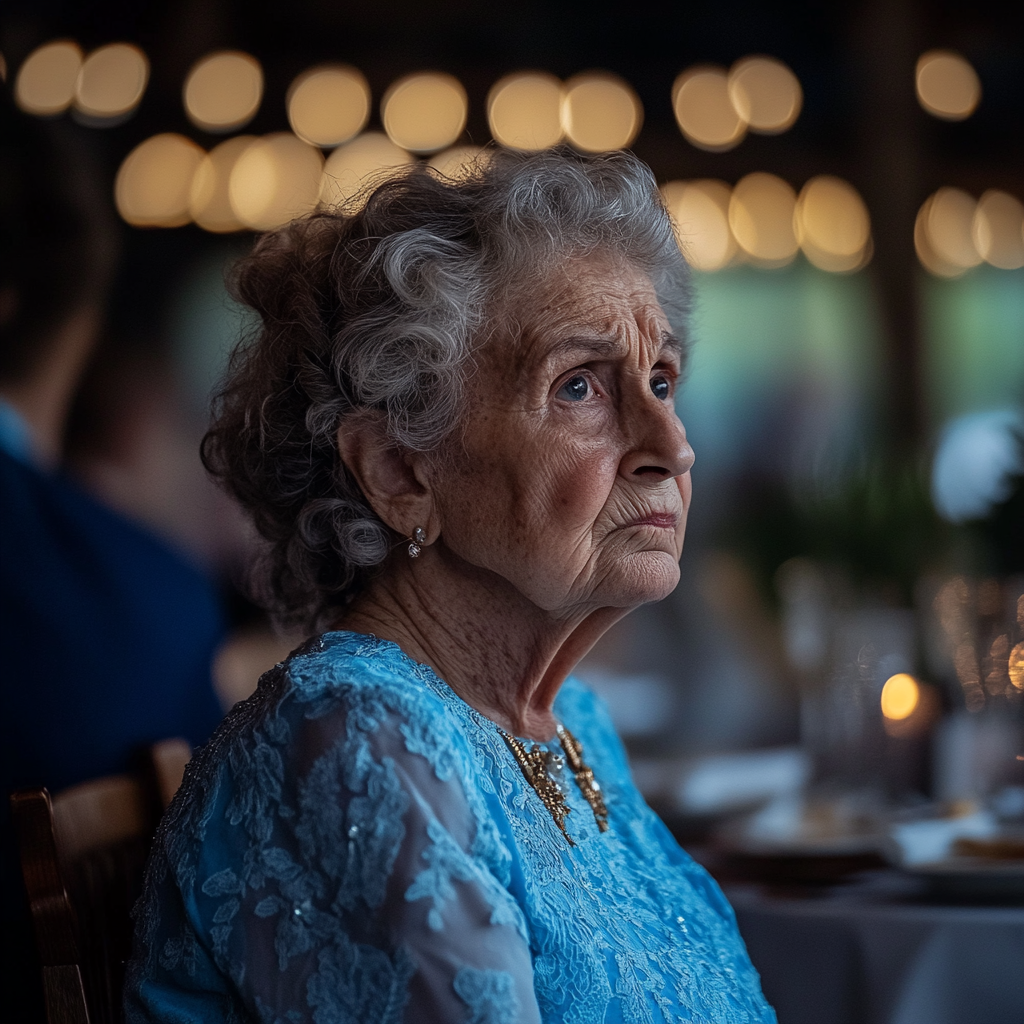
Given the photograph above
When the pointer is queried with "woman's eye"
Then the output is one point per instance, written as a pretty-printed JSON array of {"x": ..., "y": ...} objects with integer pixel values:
[
  {"x": 661, "y": 388},
  {"x": 575, "y": 389}
]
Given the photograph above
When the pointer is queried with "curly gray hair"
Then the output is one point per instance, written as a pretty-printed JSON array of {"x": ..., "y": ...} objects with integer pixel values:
[{"x": 381, "y": 306}]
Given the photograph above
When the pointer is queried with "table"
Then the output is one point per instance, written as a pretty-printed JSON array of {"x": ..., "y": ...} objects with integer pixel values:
[{"x": 878, "y": 953}]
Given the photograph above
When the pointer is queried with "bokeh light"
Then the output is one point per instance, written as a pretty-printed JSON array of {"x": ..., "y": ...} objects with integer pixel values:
[
  {"x": 947, "y": 85},
  {"x": 998, "y": 230},
  {"x": 46, "y": 80},
  {"x": 700, "y": 215},
  {"x": 704, "y": 112},
  {"x": 274, "y": 180},
  {"x": 223, "y": 91},
  {"x": 929, "y": 258},
  {"x": 425, "y": 112},
  {"x": 154, "y": 183},
  {"x": 365, "y": 160},
  {"x": 524, "y": 111},
  {"x": 600, "y": 112},
  {"x": 3, "y": 68},
  {"x": 900, "y": 696},
  {"x": 459, "y": 161},
  {"x": 832, "y": 224},
  {"x": 949, "y": 224},
  {"x": 761, "y": 215},
  {"x": 328, "y": 105},
  {"x": 765, "y": 93},
  {"x": 209, "y": 201},
  {"x": 1016, "y": 666},
  {"x": 111, "y": 82}
]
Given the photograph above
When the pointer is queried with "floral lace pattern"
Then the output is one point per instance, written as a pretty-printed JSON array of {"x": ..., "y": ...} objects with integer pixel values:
[{"x": 358, "y": 844}]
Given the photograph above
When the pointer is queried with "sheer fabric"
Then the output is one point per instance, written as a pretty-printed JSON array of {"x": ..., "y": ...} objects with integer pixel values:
[{"x": 358, "y": 844}]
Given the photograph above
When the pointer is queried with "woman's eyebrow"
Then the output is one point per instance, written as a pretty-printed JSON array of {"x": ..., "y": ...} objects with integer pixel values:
[
  {"x": 678, "y": 348},
  {"x": 585, "y": 344}
]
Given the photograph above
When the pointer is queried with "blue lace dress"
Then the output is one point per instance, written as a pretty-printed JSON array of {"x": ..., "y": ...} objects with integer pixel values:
[{"x": 358, "y": 844}]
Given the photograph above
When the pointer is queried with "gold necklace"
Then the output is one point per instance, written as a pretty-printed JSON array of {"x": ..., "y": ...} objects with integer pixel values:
[{"x": 543, "y": 770}]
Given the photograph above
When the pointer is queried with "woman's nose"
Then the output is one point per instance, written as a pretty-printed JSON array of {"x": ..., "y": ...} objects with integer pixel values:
[{"x": 659, "y": 449}]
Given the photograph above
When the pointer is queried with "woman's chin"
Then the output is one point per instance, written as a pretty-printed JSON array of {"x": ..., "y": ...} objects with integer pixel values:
[{"x": 640, "y": 578}]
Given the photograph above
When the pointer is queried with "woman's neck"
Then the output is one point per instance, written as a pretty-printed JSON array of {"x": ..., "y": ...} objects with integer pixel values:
[{"x": 501, "y": 654}]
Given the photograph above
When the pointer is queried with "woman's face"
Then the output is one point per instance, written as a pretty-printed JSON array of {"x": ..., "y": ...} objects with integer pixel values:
[{"x": 573, "y": 478}]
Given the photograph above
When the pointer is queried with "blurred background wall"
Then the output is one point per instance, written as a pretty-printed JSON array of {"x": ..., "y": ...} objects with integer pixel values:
[{"x": 846, "y": 179}]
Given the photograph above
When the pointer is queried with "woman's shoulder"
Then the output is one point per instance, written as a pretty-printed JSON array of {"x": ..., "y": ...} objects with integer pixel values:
[{"x": 342, "y": 673}]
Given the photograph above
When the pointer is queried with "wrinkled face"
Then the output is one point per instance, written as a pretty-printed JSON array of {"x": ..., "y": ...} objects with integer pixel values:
[{"x": 573, "y": 482}]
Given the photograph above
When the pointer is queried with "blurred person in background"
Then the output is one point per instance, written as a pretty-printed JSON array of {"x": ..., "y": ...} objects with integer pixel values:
[
  {"x": 454, "y": 428},
  {"x": 106, "y": 633}
]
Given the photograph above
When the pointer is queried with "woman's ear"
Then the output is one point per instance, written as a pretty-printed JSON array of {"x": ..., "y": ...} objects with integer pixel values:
[{"x": 394, "y": 482}]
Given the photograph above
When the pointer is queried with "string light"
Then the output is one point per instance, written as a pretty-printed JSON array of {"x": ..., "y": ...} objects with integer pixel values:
[
  {"x": 765, "y": 94},
  {"x": 949, "y": 225},
  {"x": 947, "y": 85},
  {"x": 524, "y": 111},
  {"x": 998, "y": 230},
  {"x": 704, "y": 110},
  {"x": 223, "y": 91},
  {"x": 46, "y": 81},
  {"x": 111, "y": 82},
  {"x": 425, "y": 112},
  {"x": 209, "y": 201},
  {"x": 600, "y": 112},
  {"x": 328, "y": 105},
  {"x": 832, "y": 225},
  {"x": 700, "y": 217},
  {"x": 274, "y": 180},
  {"x": 761, "y": 215},
  {"x": 154, "y": 183},
  {"x": 364, "y": 161}
]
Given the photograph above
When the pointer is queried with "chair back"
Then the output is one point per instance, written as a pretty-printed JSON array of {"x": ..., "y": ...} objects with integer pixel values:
[{"x": 83, "y": 856}]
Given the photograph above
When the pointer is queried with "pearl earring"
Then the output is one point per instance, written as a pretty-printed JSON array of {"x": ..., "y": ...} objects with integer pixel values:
[{"x": 419, "y": 537}]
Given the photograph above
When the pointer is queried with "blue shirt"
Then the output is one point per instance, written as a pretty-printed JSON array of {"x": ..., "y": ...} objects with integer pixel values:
[
  {"x": 358, "y": 844},
  {"x": 106, "y": 643}
]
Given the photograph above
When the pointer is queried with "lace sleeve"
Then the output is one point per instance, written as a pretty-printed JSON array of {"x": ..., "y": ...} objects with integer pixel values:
[{"x": 350, "y": 872}]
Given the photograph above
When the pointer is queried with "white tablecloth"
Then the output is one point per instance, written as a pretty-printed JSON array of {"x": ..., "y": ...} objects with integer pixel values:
[{"x": 870, "y": 956}]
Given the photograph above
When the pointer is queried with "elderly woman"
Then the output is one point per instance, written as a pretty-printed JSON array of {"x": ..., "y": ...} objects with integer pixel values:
[{"x": 455, "y": 429}]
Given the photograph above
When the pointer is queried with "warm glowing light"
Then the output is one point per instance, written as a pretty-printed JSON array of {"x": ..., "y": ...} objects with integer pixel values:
[
  {"x": 949, "y": 224},
  {"x": 209, "y": 202},
  {"x": 998, "y": 230},
  {"x": 947, "y": 85},
  {"x": 700, "y": 216},
  {"x": 900, "y": 696},
  {"x": 459, "y": 161},
  {"x": 3, "y": 68},
  {"x": 274, "y": 180},
  {"x": 359, "y": 164},
  {"x": 704, "y": 112},
  {"x": 425, "y": 112},
  {"x": 328, "y": 105},
  {"x": 46, "y": 81},
  {"x": 926, "y": 253},
  {"x": 761, "y": 215},
  {"x": 600, "y": 112},
  {"x": 524, "y": 111},
  {"x": 223, "y": 91},
  {"x": 765, "y": 93},
  {"x": 111, "y": 81},
  {"x": 1016, "y": 666},
  {"x": 832, "y": 224},
  {"x": 154, "y": 182}
]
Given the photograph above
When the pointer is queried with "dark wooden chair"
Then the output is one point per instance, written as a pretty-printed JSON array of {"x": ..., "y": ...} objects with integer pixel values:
[{"x": 83, "y": 854}]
